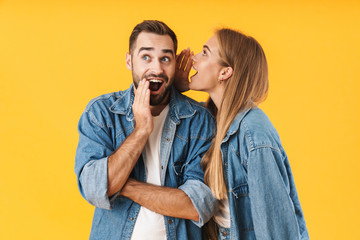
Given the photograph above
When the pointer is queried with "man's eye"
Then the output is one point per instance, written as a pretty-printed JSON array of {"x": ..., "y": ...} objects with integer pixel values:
[
  {"x": 165, "y": 59},
  {"x": 146, "y": 57},
  {"x": 203, "y": 52}
]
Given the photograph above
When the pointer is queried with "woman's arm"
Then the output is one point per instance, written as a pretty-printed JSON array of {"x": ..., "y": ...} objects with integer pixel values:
[{"x": 270, "y": 184}]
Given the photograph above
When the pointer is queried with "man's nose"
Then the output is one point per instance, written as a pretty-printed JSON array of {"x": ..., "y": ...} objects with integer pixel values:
[{"x": 156, "y": 67}]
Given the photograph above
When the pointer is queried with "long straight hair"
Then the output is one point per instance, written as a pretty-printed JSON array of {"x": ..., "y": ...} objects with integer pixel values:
[{"x": 247, "y": 87}]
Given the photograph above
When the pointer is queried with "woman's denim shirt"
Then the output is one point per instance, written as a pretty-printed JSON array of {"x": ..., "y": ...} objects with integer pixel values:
[
  {"x": 263, "y": 200},
  {"x": 186, "y": 136}
]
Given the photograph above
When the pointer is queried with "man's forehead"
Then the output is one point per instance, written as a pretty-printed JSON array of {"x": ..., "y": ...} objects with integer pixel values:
[{"x": 153, "y": 41}]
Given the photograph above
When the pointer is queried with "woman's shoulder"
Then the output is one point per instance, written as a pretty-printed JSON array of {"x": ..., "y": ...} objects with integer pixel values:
[{"x": 258, "y": 130}]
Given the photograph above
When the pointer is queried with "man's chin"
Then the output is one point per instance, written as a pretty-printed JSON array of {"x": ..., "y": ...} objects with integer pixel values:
[
  {"x": 159, "y": 98},
  {"x": 154, "y": 101}
]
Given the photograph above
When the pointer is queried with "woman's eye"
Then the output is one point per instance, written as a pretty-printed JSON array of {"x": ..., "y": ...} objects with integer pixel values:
[
  {"x": 165, "y": 59},
  {"x": 146, "y": 57},
  {"x": 204, "y": 53}
]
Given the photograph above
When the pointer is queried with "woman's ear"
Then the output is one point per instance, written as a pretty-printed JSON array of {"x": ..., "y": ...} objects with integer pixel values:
[
  {"x": 128, "y": 61},
  {"x": 225, "y": 73}
]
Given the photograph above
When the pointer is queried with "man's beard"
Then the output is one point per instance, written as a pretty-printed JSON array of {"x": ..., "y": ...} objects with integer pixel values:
[{"x": 159, "y": 98}]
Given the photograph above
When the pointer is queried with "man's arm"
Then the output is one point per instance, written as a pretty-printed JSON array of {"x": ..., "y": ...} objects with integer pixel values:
[
  {"x": 100, "y": 170},
  {"x": 192, "y": 200},
  {"x": 167, "y": 201},
  {"x": 123, "y": 160}
]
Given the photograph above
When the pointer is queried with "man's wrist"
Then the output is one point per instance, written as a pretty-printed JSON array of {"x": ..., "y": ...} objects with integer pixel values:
[{"x": 142, "y": 132}]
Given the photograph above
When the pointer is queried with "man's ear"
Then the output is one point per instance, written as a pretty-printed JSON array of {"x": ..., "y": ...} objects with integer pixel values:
[
  {"x": 225, "y": 73},
  {"x": 128, "y": 61}
]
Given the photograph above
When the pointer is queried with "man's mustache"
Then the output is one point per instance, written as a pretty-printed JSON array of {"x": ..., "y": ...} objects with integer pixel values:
[{"x": 161, "y": 76}]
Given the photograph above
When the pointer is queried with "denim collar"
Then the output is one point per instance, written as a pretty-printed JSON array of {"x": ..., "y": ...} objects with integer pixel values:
[
  {"x": 234, "y": 127},
  {"x": 180, "y": 107}
]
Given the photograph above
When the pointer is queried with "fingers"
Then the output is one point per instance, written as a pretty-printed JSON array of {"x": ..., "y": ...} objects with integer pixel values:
[
  {"x": 186, "y": 59},
  {"x": 141, "y": 107},
  {"x": 144, "y": 90},
  {"x": 141, "y": 92},
  {"x": 147, "y": 96},
  {"x": 179, "y": 59},
  {"x": 182, "y": 59},
  {"x": 190, "y": 63}
]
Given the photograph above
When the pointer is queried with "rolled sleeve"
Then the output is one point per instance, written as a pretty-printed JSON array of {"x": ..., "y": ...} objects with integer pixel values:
[
  {"x": 93, "y": 180},
  {"x": 95, "y": 145},
  {"x": 202, "y": 199}
]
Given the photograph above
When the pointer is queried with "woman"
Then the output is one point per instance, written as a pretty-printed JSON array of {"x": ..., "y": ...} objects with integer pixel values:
[{"x": 246, "y": 166}]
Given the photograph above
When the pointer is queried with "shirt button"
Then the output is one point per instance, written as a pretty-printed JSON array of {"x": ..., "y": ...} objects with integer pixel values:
[
  {"x": 132, "y": 219},
  {"x": 170, "y": 222},
  {"x": 167, "y": 139},
  {"x": 162, "y": 167}
]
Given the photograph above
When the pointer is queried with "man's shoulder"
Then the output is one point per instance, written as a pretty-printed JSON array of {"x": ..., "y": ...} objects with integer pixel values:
[
  {"x": 199, "y": 110},
  {"x": 198, "y": 105},
  {"x": 196, "y": 120},
  {"x": 105, "y": 101}
]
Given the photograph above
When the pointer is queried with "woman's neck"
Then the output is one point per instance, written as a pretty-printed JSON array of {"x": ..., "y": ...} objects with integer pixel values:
[{"x": 216, "y": 95}]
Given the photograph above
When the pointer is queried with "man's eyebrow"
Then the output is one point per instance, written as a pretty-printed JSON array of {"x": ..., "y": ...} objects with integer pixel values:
[
  {"x": 207, "y": 47},
  {"x": 145, "y": 49},
  {"x": 151, "y": 49},
  {"x": 168, "y": 51}
]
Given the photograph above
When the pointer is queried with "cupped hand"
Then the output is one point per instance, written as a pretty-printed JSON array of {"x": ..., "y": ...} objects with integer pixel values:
[
  {"x": 182, "y": 69},
  {"x": 141, "y": 108}
]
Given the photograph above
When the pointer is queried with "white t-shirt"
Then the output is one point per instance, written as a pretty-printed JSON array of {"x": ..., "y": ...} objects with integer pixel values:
[
  {"x": 222, "y": 216},
  {"x": 150, "y": 225}
]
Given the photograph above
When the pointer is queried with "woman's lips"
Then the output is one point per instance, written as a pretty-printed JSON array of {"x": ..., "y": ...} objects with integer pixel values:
[
  {"x": 194, "y": 75},
  {"x": 195, "y": 72}
]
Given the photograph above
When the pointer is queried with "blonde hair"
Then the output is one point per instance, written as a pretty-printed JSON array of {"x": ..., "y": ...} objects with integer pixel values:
[{"x": 247, "y": 87}]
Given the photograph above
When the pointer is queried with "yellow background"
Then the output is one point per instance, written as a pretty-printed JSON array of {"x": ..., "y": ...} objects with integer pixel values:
[{"x": 57, "y": 55}]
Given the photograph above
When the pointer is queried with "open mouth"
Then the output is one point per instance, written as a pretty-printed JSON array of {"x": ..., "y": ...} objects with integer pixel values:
[
  {"x": 155, "y": 85},
  {"x": 196, "y": 72}
]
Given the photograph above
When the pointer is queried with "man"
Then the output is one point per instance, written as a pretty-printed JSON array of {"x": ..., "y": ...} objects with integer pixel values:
[{"x": 139, "y": 153}]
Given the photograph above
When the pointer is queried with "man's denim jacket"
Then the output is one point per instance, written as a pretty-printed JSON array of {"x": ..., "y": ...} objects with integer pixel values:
[
  {"x": 187, "y": 134},
  {"x": 262, "y": 196}
]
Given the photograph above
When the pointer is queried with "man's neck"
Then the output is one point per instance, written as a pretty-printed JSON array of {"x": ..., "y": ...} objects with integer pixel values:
[{"x": 156, "y": 110}]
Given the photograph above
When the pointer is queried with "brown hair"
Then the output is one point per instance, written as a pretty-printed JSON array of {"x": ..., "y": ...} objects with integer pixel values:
[
  {"x": 247, "y": 87},
  {"x": 151, "y": 26}
]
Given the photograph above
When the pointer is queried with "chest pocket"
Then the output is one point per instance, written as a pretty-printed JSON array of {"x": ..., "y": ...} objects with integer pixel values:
[
  {"x": 179, "y": 169},
  {"x": 242, "y": 209}
]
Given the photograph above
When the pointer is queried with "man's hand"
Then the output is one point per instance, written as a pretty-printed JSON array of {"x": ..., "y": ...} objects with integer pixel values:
[
  {"x": 182, "y": 69},
  {"x": 141, "y": 108},
  {"x": 123, "y": 160}
]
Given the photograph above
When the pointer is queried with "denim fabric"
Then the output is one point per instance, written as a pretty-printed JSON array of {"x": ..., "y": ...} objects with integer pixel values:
[
  {"x": 186, "y": 136},
  {"x": 263, "y": 200}
]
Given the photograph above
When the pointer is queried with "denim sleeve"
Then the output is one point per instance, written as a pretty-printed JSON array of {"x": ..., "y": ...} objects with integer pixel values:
[
  {"x": 202, "y": 199},
  {"x": 194, "y": 186},
  {"x": 272, "y": 208},
  {"x": 95, "y": 145}
]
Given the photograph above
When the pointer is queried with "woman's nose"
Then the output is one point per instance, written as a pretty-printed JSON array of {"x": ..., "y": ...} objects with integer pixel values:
[{"x": 193, "y": 58}]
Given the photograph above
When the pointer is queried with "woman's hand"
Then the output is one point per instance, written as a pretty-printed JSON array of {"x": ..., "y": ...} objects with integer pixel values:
[
  {"x": 182, "y": 69},
  {"x": 141, "y": 108}
]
